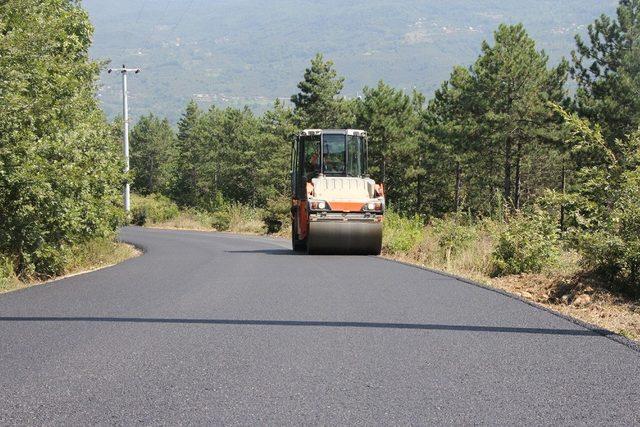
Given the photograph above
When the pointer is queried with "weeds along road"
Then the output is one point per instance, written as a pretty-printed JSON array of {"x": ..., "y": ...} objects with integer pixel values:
[{"x": 215, "y": 328}]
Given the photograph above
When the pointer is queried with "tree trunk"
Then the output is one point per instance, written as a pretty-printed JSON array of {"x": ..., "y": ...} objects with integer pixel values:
[
  {"x": 508, "y": 145},
  {"x": 517, "y": 195},
  {"x": 385, "y": 184},
  {"x": 458, "y": 185},
  {"x": 564, "y": 188},
  {"x": 419, "y": 185},
  {"x": 150, "y": 179}
]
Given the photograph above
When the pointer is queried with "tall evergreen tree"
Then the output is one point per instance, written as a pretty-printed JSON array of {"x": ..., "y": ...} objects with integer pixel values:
[
  {"x": 513, "y": 87},
  {"x": 498, "y": 114},
  {"x": 184, "y": 172},
  {"x": 237, "y": 134},
  {"x": 607, "y": 68},
  {"x": 318, "y": 104},
  {"x": 448, "y": 128},
  {"x": 390, "y": 118},
  {"x": 277, "y": 132},
  {"x": 152, "y": 141}
]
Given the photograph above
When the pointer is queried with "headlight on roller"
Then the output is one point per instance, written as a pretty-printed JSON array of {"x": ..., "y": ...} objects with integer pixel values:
[
  {"x": 372, "y": 207},
  {"x": 319, "y": 205}
]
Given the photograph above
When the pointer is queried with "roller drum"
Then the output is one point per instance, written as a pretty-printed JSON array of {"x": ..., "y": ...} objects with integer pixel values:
[{"x": 345, "y": 237}]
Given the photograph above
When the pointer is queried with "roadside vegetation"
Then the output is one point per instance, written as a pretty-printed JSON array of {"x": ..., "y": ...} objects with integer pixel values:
[
  {"x": 91, "y": 255},
  {"x": 548, "y": 272},
  {"x": 60, "y": 164}
]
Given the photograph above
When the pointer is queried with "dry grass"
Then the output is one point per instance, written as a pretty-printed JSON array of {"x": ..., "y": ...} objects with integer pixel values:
[
  {"x": 474, "y": 258},
  {"x": 185, "y": 221},
  {"x": 239, "y": 222},
  {"x": 99, "y": 253},
  {"x": 91, "y": 256},
  {"x": 245, "y": 220}
]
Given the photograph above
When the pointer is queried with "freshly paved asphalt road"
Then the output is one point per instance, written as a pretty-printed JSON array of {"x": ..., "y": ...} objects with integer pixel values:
[{"x": 222, "y": 329}]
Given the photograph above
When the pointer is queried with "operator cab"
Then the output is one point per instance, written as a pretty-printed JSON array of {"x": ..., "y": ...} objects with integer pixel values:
[{"x": 330, "y": 153}]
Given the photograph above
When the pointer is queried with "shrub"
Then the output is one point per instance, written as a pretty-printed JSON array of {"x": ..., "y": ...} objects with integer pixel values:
[
  {"x": 528, "y": 244},
  {"x": 221, "y": 219},
  {"x": 8, "y": 277},
  {"x": 614, "y": 250},
  {"x": 152, "y": 209},
  {"x": 401, "y": 234},
  {"x": 277, "y": 215},
  {"x": 238, "y": 218},
  {"x": 453, "y": 235}
]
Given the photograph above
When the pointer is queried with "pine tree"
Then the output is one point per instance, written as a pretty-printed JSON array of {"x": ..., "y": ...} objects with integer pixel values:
[
  {"x": 152, "y": 141},
  {"x": 513, "y": 86},
  {"x": 496, "y": 121},
  {"x": 186, "y": 156},
  {"x": 389, "y": 116},
  {"x": 318, "y": 104},
  {"x": 238, "y": 160},
  {"x": 607, "y": 68},
  {"x": 277, "y": 132},
  {"x": 448, "y": 128}
]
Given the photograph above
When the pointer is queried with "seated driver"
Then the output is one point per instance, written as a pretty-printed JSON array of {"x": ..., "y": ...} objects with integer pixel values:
[{"x": 313, "y": 167}]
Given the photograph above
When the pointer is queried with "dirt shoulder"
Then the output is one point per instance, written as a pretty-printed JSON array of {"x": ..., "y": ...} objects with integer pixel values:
[
  {"x": 570, "y": 295},
  {"x": 576, "y": 297}
]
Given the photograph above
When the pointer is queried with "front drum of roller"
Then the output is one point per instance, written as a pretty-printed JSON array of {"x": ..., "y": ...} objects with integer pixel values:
[{"x": 344, "y": 237}]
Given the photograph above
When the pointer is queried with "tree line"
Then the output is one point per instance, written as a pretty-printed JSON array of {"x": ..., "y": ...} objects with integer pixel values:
[{"x": 493, "y": 135}]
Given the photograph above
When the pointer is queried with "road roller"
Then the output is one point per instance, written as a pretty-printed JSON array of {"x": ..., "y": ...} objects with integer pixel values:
[{"x": 336, "y": 207}]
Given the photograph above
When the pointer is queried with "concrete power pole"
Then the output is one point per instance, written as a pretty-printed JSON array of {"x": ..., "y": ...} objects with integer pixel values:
[{"x": 125, "y": 112}]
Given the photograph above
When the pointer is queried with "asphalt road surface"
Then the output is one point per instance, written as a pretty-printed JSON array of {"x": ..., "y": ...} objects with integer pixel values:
[{"x": 222, "y": 329}]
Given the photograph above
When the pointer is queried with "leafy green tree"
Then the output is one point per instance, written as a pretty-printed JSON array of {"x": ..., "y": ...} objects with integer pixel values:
[
  {"x": 318, "y": 104},
  {"x": 603, "y": 204},
  {"x": 607, "y": 69},
  {"x": 60, "y": 167},
  {"x": 152, "y": 140}
]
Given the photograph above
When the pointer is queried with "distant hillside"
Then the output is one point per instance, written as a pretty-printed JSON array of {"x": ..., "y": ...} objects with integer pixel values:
[{"x": 237, "y": 52}]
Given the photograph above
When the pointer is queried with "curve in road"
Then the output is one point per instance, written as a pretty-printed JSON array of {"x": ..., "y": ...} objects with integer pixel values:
[{"x": 223, "y": 329}]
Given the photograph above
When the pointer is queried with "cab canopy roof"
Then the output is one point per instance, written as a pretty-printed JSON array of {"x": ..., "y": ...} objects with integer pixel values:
[{"x": 351, "y": 132}]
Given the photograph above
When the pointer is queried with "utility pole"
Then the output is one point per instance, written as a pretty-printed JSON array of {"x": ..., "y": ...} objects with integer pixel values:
[{"x": 125, "y": 112}]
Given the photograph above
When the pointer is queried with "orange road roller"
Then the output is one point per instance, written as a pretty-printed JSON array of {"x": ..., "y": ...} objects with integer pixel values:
[{"x": 336, "y": 207}]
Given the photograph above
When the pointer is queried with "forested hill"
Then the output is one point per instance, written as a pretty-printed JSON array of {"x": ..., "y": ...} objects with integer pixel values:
[{"x": 248, "y": 52}]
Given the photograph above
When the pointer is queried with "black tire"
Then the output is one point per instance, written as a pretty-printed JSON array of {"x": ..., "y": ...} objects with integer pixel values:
[{"x": 297, "y": 244}]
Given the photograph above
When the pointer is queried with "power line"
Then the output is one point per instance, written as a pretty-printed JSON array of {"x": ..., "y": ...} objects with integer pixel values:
[
  {"x": 184, "y": 12},
  {"x": 140, "y": 11},
  {"x": 147, "y": 39}
]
